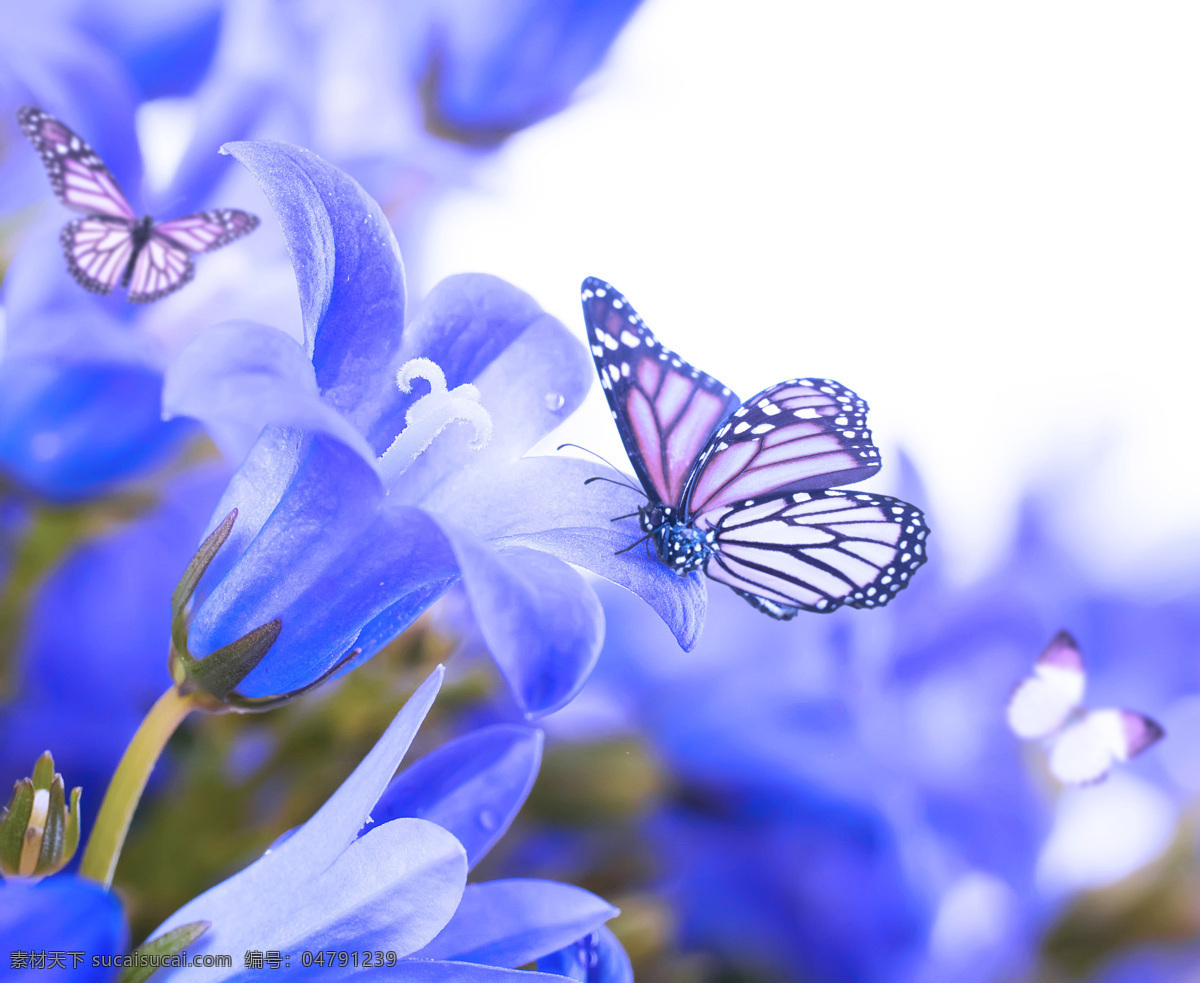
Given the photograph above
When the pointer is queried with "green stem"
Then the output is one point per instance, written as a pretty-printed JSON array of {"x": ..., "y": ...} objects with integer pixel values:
[{"x": 116, "y": 812}]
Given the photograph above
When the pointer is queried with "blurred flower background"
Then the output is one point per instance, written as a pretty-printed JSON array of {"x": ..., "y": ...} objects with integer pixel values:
[{"x": 980, "y": 218}]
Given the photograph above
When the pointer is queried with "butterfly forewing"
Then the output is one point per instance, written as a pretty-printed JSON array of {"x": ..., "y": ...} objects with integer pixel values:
[
  {"x": 77, "y": 174},
  {"x": 800, "y": 435},
  {"x": 97, "y": 251},
  {"x": 207, "y": 231},
  {"x": 817, "y": 550},
  {"x": 160, "y": 269},
  {"x": 665, "y": 409},
  {"x": 1043, "y": 702}
]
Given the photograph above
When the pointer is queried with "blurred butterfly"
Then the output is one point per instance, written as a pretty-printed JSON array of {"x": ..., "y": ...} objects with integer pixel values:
[
  {"x": 744, "y": 491},
  {"x": 1084, "y": 744},
  {"x": 112, "y": 245}
]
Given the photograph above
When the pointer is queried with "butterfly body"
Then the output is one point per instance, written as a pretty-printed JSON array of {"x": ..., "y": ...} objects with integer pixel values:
[
  {"x": 679, "y": 544},
  {"x": 743, "y": 491},
  {"x": 111, "y": 245}
]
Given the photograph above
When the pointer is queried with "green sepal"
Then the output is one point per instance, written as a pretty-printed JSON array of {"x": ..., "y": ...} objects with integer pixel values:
[
  {"x": 168, "y": 944},
  {"x": 43, "y": 771},
  {"x": 12, "y": 832},
  {"x": 191, "y": 578},
  {"x": 71, "y": 835},
  {"x": 257, "y": 704},
  {"x": 219, "y": 673},
  {"x": 50, "y": 856}
]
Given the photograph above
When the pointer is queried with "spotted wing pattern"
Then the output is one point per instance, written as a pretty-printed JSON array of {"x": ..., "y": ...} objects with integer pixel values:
[
  {"x": 799, "y": 435},
  {"x": 665, "y": 409},
  {"x": 161, "y": 268},
  {"x": 97, "y": 251},
  {"x": 206, "y": 231},
  {"x": 77, "y": 174},
  {"x": 815, "y": 551}
]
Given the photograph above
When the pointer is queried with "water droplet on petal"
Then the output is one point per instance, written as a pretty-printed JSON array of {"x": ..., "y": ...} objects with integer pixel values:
[
  {"x": 488, "y": 819},
  {"x": 554, "y": 402}
]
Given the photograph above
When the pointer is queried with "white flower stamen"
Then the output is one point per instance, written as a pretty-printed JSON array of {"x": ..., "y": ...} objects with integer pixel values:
[{"x": 430, "y": 415}]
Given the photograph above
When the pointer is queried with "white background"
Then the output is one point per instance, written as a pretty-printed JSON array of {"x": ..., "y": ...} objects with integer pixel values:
[{"x": 985, "y": 218}]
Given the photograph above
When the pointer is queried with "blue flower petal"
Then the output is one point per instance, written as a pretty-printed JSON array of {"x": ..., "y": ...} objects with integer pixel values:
[
  {"x": 532, "y": 373},
  {"x": 474, "y": 786},
  {"x": 500, "y": 69},
  {"x": 332, "y": 498},
  {"x": 74, "y": 431},
  {"x": 348, "y": 269},
  {"x": 62, "y": 914},
  {"x": 596, "y": 958},
  {"x": 443, "y": 971},
  {"x": 512, "y": 922},
  {"x": 238, "y": 376},
  {"x": 235, "y": 905},
  {"x": 392, "y": 889},
  {"x": 573, "y": 521},
  {"x": 165, "y": 48},
  {"x": 541, "y": 621}
]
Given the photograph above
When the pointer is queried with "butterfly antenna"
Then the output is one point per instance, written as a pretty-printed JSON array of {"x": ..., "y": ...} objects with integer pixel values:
[
  {"x": 613, "y": 481},
  {"x": 632, "y": 545},
  {"x": 628, "y": 515},
  {"x": 587, "y": 450}
]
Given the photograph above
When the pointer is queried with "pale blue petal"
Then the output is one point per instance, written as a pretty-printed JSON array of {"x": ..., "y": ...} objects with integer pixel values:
[
  {"x": 513, "y": 922},
  {"x": 597, "y": 958},
  {"x": 287, "y": 872},
  {"x": 238, "y": 377},
  {"x": 348, "y": 269},
  {"x": 474, "y": 786},
  {"x": 574, "y": 522},
  {"x": 541, "y": 621}
]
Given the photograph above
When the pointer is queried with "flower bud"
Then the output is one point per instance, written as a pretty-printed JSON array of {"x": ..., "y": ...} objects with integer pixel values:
[{"x": 39, "y": 833}]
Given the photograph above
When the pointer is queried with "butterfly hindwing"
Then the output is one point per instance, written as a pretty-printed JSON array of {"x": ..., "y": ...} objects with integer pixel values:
[
  {"x": 816, "y": 551},
  {"x": 799, "y": 435},
  {"x": 97, "y": 251},
  {"x": 77, "y": 174},
  {"x": 161, "y": 268},
  {"x": 665, "y": 409},
  {"x": 1087, "y": 748},
  {"x": 206, "y": 231}
]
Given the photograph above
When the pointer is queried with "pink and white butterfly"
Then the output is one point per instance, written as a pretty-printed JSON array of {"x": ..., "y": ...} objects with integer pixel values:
[
  {"x": 1084, "y": 744},
  {"x": 112, "y": 245},
  {"x": 745, "y": 491}
]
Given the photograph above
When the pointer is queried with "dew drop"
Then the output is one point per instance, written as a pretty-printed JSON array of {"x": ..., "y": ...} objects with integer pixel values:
[
  {"x": 554, "y": 402},
  {"x": 488, "y": 819}
]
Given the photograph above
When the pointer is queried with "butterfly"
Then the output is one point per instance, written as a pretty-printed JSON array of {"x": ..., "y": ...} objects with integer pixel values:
[
  {"x": 112, "y": 245},
  {"x": 1084, "y": 744},
  {"x": 745, "y": 491}
]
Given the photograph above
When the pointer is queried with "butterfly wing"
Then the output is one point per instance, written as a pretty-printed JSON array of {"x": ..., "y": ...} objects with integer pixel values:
[
  {"x": 1043, "y": 702},
  {"x": 161, "y": 268},
  {"x": 815, "y": 551},
  {"x": 1086, "y": 749},
  {"x": 97, "y": 252},
  {"x": 799, "y": 435},
  {"x": 206, "y": 231},
  {"x": 665, "y": 409},
  {"x": 77, "y": 174}
]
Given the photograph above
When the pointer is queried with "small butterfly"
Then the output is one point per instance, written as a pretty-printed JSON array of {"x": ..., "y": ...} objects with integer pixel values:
[
  {"x": 112, "y": 245},
  {"x": 744, "y": 491},
  {"x": 1084, "y": 744}
]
